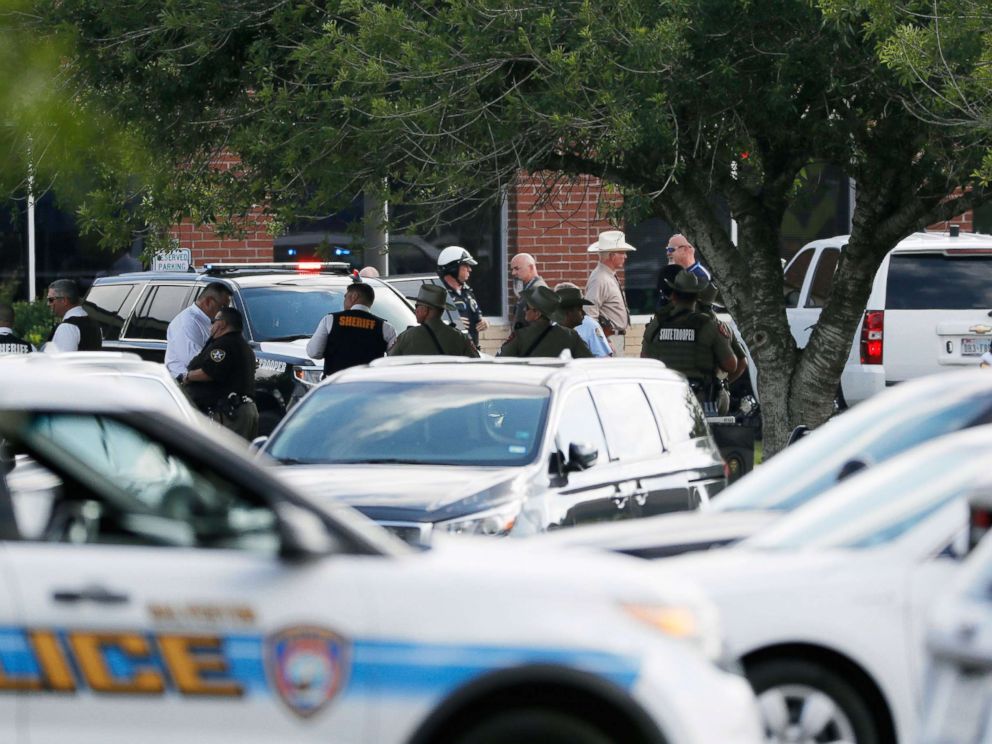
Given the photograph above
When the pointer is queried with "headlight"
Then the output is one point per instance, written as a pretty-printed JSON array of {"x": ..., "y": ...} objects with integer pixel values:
[
  {"x": 697, "y": 625},
  {"x": 497, "y": 521},
  {"x": 308, "y": 375}
]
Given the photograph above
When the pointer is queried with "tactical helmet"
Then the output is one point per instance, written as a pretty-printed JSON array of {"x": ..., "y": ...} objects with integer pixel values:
[{"x": 451, "y": 258}]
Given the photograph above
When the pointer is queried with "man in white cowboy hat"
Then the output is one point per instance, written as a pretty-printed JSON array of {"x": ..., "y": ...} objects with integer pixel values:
[
  {"x": 542, "y": 337},
  {"x": 609, "y": 306},
  {"x": 433, "y": 336}
]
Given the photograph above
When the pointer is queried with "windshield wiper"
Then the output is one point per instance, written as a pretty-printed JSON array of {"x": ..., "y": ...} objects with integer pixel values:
[
  {"x": 294, "y": 461},
  {"x": 297, "y": 337},
  {"x": 382, "y": 461}
]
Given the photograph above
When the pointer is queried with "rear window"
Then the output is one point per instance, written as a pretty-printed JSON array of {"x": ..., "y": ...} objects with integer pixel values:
[{"x": 931, "y": 281}]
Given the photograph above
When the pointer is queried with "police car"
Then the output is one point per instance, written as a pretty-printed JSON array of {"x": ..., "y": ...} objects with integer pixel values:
[
  {"x": 179, "y": 592},
  {"x": 282, "y": 304}
]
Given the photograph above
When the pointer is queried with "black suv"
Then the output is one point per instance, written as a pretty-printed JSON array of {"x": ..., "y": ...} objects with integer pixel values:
[{"x": 281, "y": 303}]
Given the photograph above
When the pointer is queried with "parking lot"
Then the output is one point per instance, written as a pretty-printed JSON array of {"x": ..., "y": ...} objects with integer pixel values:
[{"x": 450, "y": 552}]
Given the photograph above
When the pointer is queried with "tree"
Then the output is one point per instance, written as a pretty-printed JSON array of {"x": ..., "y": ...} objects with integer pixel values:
[
  {"x": 677, "y": 104},
  {"x": 51, "y": 132},
  {"x": 942, "y": 52}
]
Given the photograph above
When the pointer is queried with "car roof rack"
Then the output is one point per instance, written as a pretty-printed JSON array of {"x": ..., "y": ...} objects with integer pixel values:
[{"x": 298, "y": 267}]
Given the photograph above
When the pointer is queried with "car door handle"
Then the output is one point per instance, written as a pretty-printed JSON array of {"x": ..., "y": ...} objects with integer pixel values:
[{"x": 98, "y": 594}]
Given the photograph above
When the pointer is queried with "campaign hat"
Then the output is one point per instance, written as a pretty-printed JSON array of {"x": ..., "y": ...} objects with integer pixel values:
[
  {"x": 685, "y": 282},
  {"x": 542, "y": 299},
  {"x": 433, "y": 295}
]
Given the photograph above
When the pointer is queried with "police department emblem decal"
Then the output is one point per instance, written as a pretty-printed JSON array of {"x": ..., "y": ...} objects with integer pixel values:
[
  {"x": 218, "y": 355},
  {"x": 307, "y": 666}
]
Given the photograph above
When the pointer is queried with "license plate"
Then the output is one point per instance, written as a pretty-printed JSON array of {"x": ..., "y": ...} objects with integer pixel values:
[{"x": 975, "y": 346}]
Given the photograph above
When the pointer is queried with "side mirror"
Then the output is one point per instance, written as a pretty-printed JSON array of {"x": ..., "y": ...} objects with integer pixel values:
[
  {"x": 581, "y": 456},
  {"x": 798, "y": 433},
  {"x": 852, "y": 466},
  {"x": 304, "y": 535},
  {"x": 257, "y": 443}
]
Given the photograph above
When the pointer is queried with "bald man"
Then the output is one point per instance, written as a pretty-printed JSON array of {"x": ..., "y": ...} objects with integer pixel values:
[{"x": 523, "y": 269}]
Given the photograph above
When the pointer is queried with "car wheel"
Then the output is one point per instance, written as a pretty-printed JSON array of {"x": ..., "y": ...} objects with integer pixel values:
[
  {"x": 804, "y": 703},
  {"x": 533, "y": 726}
]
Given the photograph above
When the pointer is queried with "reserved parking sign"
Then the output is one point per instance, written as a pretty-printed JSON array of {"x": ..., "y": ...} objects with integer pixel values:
[{"x": 180, "y": 259}]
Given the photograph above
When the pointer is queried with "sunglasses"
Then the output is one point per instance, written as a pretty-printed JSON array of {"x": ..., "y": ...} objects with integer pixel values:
[{"x": 672, "y": 248}]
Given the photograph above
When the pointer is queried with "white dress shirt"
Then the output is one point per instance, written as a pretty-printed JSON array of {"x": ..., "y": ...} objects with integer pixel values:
[
  {"x": 186, "y": 336},
  {"x": 67, "y": 335}
]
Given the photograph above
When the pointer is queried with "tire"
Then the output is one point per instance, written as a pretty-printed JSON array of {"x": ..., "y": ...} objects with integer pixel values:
[
  {"x": 533, "y": 726},
  {"x": 791, "y": 691}
]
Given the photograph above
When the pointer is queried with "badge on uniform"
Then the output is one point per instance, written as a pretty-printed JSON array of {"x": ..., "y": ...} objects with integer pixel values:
[
  {"x": 217, "y": 355},
  {"x": 307, "y": 666}
]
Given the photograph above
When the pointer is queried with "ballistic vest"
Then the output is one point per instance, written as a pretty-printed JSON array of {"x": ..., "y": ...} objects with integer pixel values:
[
  {"x": 682, "y": 340},
  {"x": 355, "y": 338}
]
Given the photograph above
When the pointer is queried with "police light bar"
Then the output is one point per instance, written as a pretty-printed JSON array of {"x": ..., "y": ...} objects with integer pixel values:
[{"x": 298, "y": 266}]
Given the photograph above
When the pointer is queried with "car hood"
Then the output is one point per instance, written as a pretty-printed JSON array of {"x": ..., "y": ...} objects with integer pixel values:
[
  {"x": 667, "y": 534},
  {"x": 420, "y": 493},
  {"x": 742, "y": 570},
  {"x": 289, "y": 349}
]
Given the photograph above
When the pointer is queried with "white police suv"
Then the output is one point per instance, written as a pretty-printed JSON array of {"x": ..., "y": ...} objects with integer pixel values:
[{"x": 178, "y": 592}]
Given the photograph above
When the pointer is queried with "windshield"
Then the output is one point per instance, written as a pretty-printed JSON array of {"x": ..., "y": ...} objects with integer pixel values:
[
  {"x": 873, "y": 431},
  {"x": 880, "y": 505},
  {"x": 286, "y": 312},
  {"x": 414, "y": 422}
]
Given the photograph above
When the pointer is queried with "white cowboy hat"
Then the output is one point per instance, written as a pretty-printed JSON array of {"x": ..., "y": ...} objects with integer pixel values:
[{"x": 611, "y": 241}]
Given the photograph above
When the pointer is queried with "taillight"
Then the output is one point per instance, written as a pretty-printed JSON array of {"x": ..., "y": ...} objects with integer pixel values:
[
  {"x": 979, "y": 521},
  {"x": 872, "y": 337}
]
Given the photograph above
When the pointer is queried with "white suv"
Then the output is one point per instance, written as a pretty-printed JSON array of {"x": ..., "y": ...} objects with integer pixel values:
[{"x": 930, "y": 307}]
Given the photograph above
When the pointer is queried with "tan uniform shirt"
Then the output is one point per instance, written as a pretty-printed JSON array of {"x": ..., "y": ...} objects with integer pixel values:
[{"x": 603, "y": 290}]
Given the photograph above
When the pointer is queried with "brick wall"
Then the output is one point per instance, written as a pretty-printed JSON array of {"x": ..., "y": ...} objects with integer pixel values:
[
  {"x": 556, "y": 229},
  {"x": 255, "y": 243}
]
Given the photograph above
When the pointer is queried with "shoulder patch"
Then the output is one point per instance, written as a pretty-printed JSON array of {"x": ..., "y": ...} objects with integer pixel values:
[
  {"x": 217, "y": 355},
  {"x": 723, "y": 328}
]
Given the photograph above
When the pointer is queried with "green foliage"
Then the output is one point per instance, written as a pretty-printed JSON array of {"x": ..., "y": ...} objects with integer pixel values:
[{"x": 33, "y": 321}]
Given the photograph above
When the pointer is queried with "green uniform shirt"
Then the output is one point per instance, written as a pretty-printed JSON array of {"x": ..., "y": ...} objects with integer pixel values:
[
  {"x": 416, "y": 340},
  {"x": 686, "y": 341},
  {"x": 551, "y": 344}
]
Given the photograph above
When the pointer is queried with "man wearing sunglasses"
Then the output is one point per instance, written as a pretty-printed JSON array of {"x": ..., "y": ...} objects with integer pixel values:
[
  {"x": 680, "y": 251},
  {"x": 76, "y": 330}
]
